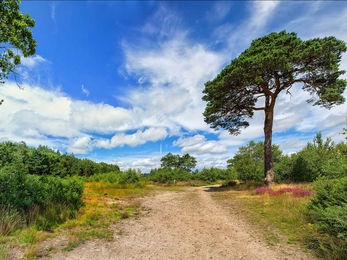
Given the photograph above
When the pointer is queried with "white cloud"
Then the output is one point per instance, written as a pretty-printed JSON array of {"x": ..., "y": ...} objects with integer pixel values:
[
  {"x": 53, "y": 5},
  {"x": 146, "y": 162},
  {"x": 261, "y": 13},
  {"x": 219, "y": 11},
  {"x": 80, "y": 145},
  {"x": 138, "y": 138},
  {"x": 101, "y": 118},
  {"x": 172, "y": 73},
  {"x": 85, "y": 91},
  {"x": 199, "y": 145},
  {"x": 33, "y": 61}
]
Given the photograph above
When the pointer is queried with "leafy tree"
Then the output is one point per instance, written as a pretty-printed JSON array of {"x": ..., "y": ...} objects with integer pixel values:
[
  {"x": 320, "y": 159},
  {"x": 270, "y": 66},
  {"x": 185, "y": 162},
  {"x": 15, "y": 37},
  {"x": 249, "y": 160}
]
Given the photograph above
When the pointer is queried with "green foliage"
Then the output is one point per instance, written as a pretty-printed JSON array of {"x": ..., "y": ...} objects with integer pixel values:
[
  {"x": 110, "y": 177},
  {"x": 271, "y": 65},
  {"x": 18, "y": 157},
  {"x": 213, "y": 174},
  {"x": 22, "y": 192},
  {"x": 327, "y": 213},
  {"x": 248, "y": 161},
  {"x": 320, "y": 159},
  {"x": 185, "y": 162},
  {"x": 168, "y": 175},
  {"x": 15, "y": 34},
  {"x": 129, "y": 176}
]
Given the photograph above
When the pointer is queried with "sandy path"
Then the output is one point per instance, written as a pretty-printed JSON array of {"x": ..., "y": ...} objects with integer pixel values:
[{"x": 183, "y": 225}]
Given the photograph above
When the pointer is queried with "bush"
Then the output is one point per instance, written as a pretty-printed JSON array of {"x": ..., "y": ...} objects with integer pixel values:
[
  {"x": 327, "y": 213},
  {"x": 130, "y": 176},
  {"x": 213, "y": 174},
  {"x": 22, "y": 192},
  {"x": 110, "y": 177},
  {"x": 168, "y": 175}
]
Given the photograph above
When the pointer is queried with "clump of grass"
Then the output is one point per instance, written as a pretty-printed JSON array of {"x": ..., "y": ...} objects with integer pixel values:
[
  {"x": 4, "y": 254},
  {"x": 33, "y": 252},
  {"x": 10, "y": 220}
]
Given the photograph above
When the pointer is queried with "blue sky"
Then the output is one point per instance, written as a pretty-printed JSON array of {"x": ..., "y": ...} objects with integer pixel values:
[{"x": 122, "y": 82}]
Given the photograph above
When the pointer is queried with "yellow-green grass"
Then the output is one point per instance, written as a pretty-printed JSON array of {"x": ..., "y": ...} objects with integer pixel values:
[
  {"x": 105, "y": 203},
  {"x": 276, "y": 215}
]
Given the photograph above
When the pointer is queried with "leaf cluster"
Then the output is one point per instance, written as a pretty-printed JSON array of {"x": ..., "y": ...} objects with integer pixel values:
[
  {"x": 15, "y": 36},
  {"x": 185, "y": 162}
]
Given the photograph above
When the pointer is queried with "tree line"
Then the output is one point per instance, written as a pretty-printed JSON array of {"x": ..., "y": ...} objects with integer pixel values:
[{"x": 18, "y": 157}]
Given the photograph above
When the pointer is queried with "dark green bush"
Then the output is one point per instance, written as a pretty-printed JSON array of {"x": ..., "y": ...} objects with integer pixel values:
[
  {"x": 168, "y": 175},
  {"x": 22, "y": 192},
  {"x": 213, "y": 174},
  {"x": 327, "y": 213}
]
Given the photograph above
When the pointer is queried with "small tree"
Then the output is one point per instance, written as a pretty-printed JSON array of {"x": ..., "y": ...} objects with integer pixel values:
[
  {"x": 270, "y": 66},
  {"x": 185, "y": 162}
]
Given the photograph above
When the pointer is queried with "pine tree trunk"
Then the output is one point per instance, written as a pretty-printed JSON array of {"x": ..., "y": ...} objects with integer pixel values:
[{"x": 268, "y": 165}]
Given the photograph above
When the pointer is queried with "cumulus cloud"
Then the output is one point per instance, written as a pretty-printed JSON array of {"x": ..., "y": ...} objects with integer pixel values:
[
  {"x": 138, "y": 138},
  {"x": 80, "y": 145},
  {"x": 199, "y": 145},
  {"x": 102, "y": 118},
  {"x": 170, "y": 68},
  {"x": 172, "y": 73}
]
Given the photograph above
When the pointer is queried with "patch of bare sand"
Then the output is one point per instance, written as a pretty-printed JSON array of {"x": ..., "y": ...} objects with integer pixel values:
[{"x": 185, "y": 224}]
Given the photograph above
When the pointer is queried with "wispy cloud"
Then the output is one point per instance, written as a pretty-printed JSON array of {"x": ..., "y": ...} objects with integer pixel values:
[
  {"x": 85, "y": 91},
  {"x": 53, "y": 5},
  {"x": 32, "y": 62}
]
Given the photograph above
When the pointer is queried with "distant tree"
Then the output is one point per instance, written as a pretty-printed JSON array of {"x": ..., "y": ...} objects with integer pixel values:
[
  {"x": 320, "y": 159},
  {"x": 248, "y": 161},
  {"x": 271, "y": 65},
  {"x": 16, "y": 38},
  {"x": 185, "y": 162}
]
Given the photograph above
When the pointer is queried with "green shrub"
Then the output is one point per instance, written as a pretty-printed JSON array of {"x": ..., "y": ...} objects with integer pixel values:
[
  {"x": 213, "y": 174},
  {"x": 22, "y": 193},
  {"x": 129, "y": 176},
  {"x": 327, "y": 214},
  {"x": 168, "y": 175},
  {"x": 110, "y": 177}
]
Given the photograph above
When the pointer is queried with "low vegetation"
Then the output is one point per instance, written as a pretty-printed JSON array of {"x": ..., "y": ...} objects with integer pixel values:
[{"x": 39, "y": 196}]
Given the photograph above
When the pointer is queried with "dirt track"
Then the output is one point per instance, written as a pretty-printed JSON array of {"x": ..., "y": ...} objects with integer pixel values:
[{"x": 184, "y": 224}]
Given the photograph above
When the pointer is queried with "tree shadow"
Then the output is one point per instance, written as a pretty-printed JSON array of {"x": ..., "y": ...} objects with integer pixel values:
[{"x": 219, "y": 188}]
